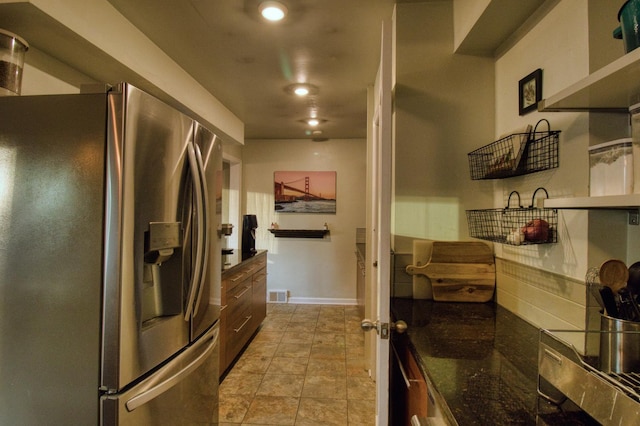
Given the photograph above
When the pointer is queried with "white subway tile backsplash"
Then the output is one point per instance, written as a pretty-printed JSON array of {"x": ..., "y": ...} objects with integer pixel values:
[{"x": 542, "y": 298}]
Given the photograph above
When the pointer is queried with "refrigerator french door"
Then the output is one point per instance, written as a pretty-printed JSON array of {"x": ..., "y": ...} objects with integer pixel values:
[{"x": 109, "y": 205}]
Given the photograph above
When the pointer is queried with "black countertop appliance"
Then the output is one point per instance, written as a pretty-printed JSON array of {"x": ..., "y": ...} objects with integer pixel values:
[{"x": 249, "y": 225}]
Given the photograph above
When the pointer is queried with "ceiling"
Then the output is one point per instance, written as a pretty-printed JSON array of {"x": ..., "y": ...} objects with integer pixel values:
[{"x": 246, "y": 62}]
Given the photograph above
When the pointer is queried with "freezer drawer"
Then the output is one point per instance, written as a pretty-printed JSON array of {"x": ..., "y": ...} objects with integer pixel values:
[{"x": 182, "y": 392}]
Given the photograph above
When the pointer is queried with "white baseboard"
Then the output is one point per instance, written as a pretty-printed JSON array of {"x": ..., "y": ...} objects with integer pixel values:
[{"x": 321, "y": 301}]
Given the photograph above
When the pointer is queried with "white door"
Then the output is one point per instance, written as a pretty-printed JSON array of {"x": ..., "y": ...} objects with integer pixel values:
[{"x": 379, "y": 240}]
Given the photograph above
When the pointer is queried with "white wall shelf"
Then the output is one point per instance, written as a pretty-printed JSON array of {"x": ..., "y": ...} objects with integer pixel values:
[
  {"x": 611, "y": 202},
  {"x": 612, "y": 88},
  {"x": 488, "y": 29},
  {"x": 630, "y": 202}
]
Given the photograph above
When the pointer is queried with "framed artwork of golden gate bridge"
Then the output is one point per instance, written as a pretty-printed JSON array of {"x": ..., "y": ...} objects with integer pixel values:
[{"x": 304, "y": 192}]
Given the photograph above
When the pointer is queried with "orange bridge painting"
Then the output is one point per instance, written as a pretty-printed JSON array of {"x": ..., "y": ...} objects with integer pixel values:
[{"x": 305, "y": 192}]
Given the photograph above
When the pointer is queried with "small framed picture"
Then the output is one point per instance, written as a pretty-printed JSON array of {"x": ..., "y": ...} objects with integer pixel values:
[{"x": 530, "y": 92}]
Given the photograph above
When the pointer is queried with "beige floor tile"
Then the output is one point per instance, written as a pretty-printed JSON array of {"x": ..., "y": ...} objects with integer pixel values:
[
  {"x": 326, "y": 367},
  {"x": 305, "y": 316},
  {"x": 324, "y": 338},
  {"x": 275, "y": 325},
  {"x": 328, "y": 325},
  {"x": 281, "y": 308},
  {"x": 252, "y": 364},
  {"x": 272, "y": 410},
  {"x": 308, "y": 308},
  {"x": 281, "y": 385},
  {"x": 293, "y": 336},
  {"x": 361, "y": 388},
  {"x": 279, "y": 316},
  {"x": 316, "y": 411},
  {"x": 301, "y": 327},
  {"x": 356, "y": 368},
  {"x": 237, "y": 383},
  {"x": 355, "y": 352},
  {"x": 333, "y": 387},
  {"x": 328, "y": 352},
  {"x": 233, "y": 408},
  {"x": 288, "y": 365},
  {"x": 293, "y": 350},
  {"x": 355, "y": 339},
  {"x": 333, "y": 309},
  {"x": 265, "y": 336},
  {"x": 305, "y": 366},
  {"x": 261, "y": 349},
  {"x": 361, "y": 413}
]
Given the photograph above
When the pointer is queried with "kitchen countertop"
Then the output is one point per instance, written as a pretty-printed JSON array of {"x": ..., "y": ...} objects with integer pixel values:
[
  {"x": 230, "y": 261},
  {"x": 481, "y": 360}
]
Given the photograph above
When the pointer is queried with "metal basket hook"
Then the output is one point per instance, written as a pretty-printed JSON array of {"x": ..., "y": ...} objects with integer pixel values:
[
  {"x": 533, "y": 198},
  {"x": 509, "y": 199}
]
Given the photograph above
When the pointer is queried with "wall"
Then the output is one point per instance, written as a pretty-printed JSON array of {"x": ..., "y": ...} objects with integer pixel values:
[
  {"x": 312, "y": 270},
  {"x": 545, "y": 283},
  {"x": 444, "y": 107}
]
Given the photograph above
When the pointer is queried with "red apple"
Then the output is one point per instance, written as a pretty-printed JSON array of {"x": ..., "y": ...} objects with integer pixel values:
[{"x": 536, "y": 231}]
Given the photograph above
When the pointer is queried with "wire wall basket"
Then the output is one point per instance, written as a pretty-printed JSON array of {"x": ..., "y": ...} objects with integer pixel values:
[
  {"x": 516, "y": 154},
  {"x": 515, "y": 225}
]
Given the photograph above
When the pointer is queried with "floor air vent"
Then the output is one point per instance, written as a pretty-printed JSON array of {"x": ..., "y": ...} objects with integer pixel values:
[{"x": 278, "y": 296}]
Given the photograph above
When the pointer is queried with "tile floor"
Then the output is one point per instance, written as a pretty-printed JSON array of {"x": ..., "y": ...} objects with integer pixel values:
[{"x": 304, "y": 367}]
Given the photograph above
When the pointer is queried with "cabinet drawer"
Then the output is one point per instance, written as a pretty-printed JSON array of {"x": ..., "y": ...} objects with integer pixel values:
[
  {"x": 238, "y": 300},
  {"x": 259, "y": 306},
  {"x": 409, "y": 388},
  {"x": 235, "y": 279},
  {"x": 260, "y": 275},
  {"x": 238, "y": 334}
]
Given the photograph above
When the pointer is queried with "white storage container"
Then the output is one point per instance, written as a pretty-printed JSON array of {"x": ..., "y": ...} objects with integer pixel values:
[{"x": 611, "y": 168}]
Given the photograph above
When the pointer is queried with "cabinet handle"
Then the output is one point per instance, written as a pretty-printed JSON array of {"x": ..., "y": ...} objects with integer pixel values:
[
  {"x": 407, "y": 382},
  {"x": 243, "y": 324},
  {"x": 222, "y": 308},
  {"x": 238, "y": 296},
  {"x": 237, "y": 277}
]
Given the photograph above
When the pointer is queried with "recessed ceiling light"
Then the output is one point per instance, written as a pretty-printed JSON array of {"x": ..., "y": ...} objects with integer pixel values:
[
  {"x": 301, "y": 89},
  {"x": 313, "y": 122},
  {"x": 273, "y": 11}
]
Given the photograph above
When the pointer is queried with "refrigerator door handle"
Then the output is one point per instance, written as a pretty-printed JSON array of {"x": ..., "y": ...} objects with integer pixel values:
[
  {"x": 154, "y": 389},
  {"x": 205, "y": 227},
  {"x": 197, "y": 190}
]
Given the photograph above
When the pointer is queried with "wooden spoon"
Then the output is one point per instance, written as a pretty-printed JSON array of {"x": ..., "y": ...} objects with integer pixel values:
[{"x": 614, "y": 274}]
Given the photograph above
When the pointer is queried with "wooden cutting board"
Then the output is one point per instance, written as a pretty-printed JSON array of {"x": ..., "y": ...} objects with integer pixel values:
[{"x": 459, "y": 271}]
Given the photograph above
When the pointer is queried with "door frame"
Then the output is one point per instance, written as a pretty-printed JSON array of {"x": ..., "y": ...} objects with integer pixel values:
[{"x": 378, "y": 256}]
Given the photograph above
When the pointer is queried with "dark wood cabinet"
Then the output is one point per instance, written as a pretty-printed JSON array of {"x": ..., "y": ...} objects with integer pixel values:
[
  {"x": 409, "y": 394},
  {"x": 244, "y": 306}
]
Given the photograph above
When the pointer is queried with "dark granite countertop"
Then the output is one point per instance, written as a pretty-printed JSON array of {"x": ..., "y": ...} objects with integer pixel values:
[
  {"x": 482, "y": 361},
  {"x": 231, "y": 261}
]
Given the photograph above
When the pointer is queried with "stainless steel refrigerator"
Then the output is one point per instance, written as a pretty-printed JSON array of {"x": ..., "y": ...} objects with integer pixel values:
[{"x": 109, "y": 261}]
